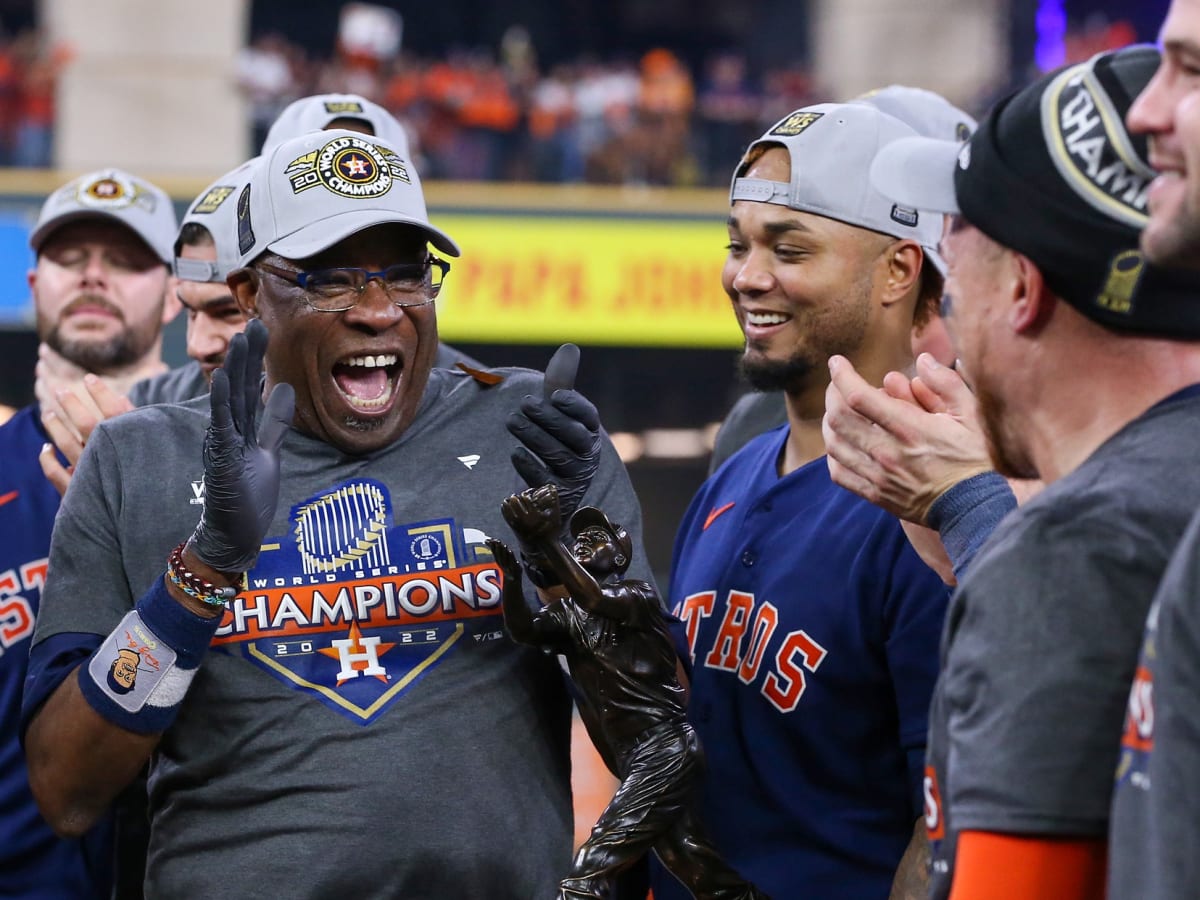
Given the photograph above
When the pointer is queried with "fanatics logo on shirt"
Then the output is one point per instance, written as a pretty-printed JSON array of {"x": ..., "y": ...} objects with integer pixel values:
[{"x": 353, "y": 609}]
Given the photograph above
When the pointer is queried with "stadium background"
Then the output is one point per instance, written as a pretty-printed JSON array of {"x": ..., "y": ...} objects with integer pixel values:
[{"x": 621, "y": 254}]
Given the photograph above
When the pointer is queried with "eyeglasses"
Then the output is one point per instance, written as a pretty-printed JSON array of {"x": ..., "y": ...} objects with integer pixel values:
[{"x": 337, "y": 290}]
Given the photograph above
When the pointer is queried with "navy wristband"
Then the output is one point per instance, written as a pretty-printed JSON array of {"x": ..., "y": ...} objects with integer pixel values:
[
  {"x": 139, "y": 675},
  {"x": 966, "y": 515}
]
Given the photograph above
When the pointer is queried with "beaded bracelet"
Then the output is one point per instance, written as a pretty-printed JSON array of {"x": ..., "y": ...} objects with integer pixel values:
[{"x": 195, "y": 586}]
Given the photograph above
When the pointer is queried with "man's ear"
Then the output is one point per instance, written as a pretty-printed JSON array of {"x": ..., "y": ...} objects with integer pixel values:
[
  {"x": 903, "y": 260},
  {"x": 1032, "y": 301},
  {"x": 243, "y": 284},
  {"x": 171, "y": 304}
]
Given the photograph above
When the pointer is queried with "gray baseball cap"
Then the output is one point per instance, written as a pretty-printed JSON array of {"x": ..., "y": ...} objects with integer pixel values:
[
  {"x": 312, "y": 191},
  {"x": 832, "y": 146},
  {"x": 216, "y": 209},
  {"x": 111, "y": 194},
  {"x": 928, "y": 114},
  {"x": 316, "y": 112}
]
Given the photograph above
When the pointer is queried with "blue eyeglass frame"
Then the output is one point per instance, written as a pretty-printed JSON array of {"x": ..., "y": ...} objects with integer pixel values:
[{"x": 301, "y": 279}]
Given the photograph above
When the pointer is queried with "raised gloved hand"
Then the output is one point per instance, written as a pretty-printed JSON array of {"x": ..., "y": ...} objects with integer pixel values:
[
  {"x": 560, "y": 432},
  {"x": 241, "y": 469}
]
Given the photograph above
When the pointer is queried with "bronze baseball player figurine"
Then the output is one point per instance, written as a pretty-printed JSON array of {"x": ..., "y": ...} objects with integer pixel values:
[{"x": 614, "y": 637}]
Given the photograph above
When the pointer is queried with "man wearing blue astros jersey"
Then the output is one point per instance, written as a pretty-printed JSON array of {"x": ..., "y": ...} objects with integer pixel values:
[
  {"x": 811, "y": 622},
  {"x": 323, "y": 688},
  {"x": 100, "y": 292},
  {"x": 1086, "y": 362},
  {"x": 932, "y": 116}
]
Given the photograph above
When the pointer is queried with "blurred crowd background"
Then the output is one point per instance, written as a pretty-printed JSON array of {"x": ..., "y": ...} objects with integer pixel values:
[
  {"x": 567, "y": 92},
  {"x": 579, "y": 150}
]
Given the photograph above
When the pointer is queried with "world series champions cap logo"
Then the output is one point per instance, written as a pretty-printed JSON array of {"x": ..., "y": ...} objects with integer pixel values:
[{"x": 347, "y": 166}]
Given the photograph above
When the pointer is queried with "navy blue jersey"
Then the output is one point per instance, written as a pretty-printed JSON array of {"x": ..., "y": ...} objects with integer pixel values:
[
  {"x": 34, "y": 863},
  {"x": 813, "y": 629}
]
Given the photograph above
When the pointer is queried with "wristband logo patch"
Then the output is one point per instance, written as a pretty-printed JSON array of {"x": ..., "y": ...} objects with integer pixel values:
[
  {"x": 353, "y": 608},
  {"x": 131, "y": 663},
  {"x": 122, "y": 674}
]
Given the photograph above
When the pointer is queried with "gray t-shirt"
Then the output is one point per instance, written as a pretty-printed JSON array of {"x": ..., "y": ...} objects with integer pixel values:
[
  {"x": 448, "y": 357},
  {"x": 361, "y": 727},
  {"x": 1042, "y": 637},
  {"x": 174, "y": 386},
  {"x": 1154, "y": 839},
  {"x": 752, "y": 415}
]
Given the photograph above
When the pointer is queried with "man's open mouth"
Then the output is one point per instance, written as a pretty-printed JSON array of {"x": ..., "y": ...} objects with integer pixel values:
[{"x": 368, "y": 382}]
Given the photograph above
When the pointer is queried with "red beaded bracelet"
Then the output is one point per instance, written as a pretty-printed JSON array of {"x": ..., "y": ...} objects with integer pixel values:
[{"x": 195, "y": 586}]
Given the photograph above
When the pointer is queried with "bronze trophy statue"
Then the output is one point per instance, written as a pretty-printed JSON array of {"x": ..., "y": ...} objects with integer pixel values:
[{"x": 614, "y": 636}]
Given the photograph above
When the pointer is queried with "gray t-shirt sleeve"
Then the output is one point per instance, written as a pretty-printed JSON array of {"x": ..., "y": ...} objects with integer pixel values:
[
  {"x": 85, "y": 548},
  {"x": 1037, "y": 675},
  {"x": 448, "y": 357},
  {"x": 176, "y": 386},
  {"x": 1155, "y": 829}
]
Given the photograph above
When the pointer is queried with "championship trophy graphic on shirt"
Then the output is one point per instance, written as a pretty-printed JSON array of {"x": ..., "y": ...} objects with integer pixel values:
[{"x": 353, "y": 607}]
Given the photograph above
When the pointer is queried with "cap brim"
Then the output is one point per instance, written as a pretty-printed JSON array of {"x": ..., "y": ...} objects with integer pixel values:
[
  {"x": 918, "y": 172},
  {"x": 585, "y": 517},
  {"x": 43, "y": 231},
  {"x": 312, "y": 239}
]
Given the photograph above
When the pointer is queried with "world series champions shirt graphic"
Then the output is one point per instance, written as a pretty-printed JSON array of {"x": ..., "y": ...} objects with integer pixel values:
[{"x": 354, "y": 609}]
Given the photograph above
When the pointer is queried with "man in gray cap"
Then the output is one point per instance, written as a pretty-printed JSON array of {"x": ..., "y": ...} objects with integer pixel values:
[
  {"x": 931, "y": 115},
  {"x": 320, "y": 112},
  {"x": 323, "y": 672},
  {"x": 1086, "y": 362},
  {"x": 812, "y": 625},
  {"x": 204, "y": 254},
  {"x": 100, "y": 291}
]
